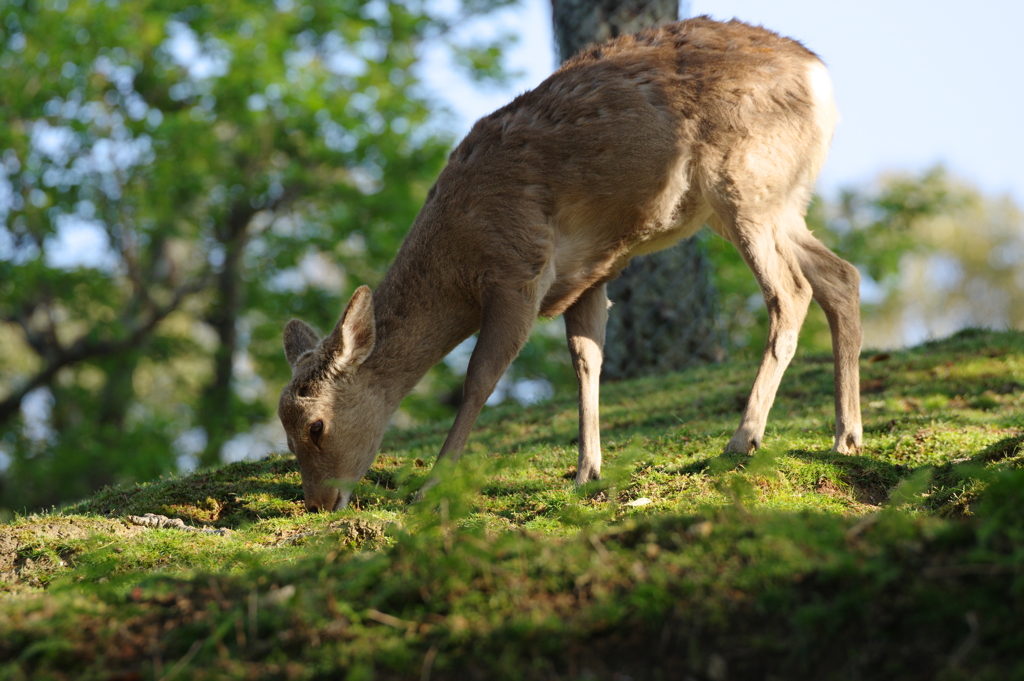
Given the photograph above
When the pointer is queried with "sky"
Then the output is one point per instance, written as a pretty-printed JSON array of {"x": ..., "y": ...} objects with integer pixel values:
[{"x": 917, "y": 83}]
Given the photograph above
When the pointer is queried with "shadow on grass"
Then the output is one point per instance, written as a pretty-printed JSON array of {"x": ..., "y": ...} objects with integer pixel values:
[
  {"x": 870, "y": 480},
  {"x": 719, "y": 463},
  {"x": 1007, "y": 448},
  {"x": 953, "y": 487},
  {"x": 957, "y": 486}
]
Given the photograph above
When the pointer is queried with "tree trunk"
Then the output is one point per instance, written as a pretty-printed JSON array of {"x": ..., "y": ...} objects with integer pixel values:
[
  {"x": 579, "y": 23},
  {"x": 219, "y": 417},
  {"x": 664, "y": 318}
]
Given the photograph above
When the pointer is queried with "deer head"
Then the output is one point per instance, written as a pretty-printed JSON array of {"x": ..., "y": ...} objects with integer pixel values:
[{"x": 333, "y": 410}]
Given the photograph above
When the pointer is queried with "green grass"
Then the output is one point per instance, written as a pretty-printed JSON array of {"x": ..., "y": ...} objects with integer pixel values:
[{"x": 904, "y": 562}]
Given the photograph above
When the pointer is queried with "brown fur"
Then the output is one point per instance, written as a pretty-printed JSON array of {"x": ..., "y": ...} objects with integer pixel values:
[{"x": 626, "y": 149}]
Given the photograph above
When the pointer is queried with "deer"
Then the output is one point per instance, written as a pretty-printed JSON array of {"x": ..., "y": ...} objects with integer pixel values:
[{"x": 627, "y": 148}]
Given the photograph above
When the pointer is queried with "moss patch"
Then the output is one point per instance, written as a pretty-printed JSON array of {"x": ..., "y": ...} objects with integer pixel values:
[{"x": 901, "y": 562}]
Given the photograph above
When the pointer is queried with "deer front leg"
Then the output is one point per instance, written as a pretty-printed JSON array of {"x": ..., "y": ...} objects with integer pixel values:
[
  {"x": 584, "y": 329},
  {"x": 504, "y": 328},
  {"x": 787, "y": 295}
]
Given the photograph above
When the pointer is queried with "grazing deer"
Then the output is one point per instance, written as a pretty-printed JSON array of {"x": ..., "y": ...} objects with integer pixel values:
[{"x": 629, "y": 147}]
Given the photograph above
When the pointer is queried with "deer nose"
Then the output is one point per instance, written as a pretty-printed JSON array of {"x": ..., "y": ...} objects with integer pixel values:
[{"x": 323, "y": 502}]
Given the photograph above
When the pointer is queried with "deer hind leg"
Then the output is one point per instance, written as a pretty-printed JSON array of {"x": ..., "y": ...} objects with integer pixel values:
[
  {"x": 585, "y": 323},
  {"x": 836, "y": 285},
  {"x": 765, "y": 246}
]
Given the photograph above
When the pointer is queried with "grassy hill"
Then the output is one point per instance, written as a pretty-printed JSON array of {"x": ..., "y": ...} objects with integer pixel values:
[{"x": 906, "y": 562}]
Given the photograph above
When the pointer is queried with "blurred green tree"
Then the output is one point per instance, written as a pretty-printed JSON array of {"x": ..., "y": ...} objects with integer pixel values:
[
  {"x": 946, "y": 257},
  {"x": 176, "y": 180},
  {"x": 935, "y": 254}
]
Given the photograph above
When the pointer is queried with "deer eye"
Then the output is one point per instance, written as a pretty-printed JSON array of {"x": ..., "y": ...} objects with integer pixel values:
[{"x": 315, "y": 430}]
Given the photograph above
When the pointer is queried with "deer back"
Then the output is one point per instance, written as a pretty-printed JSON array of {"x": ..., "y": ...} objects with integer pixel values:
[{"x": 627, "y": 148}]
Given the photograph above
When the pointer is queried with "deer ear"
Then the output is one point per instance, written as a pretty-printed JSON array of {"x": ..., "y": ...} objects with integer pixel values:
[
  {"x": 299, "y": 338},
  {"x": 353, "y": 338}
]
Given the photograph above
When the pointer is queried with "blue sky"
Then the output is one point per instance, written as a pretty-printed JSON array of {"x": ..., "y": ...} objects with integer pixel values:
[{"x": 916, "y": 82}]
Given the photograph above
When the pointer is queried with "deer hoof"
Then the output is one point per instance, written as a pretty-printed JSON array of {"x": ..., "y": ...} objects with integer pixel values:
[
  {"x": 742, "y": 444},
  {"x": 587, "y": 474},
  {"x": 850, "y": 443}
]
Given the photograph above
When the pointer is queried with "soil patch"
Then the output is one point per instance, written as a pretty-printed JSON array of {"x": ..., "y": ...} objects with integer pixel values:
[{"x": 32, "y": 551}]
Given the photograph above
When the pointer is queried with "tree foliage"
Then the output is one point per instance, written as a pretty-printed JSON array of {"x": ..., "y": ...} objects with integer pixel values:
[
  {"x": 946, "y": 257},
  {"x": 935, "y": 255},
  {"x": 178, "y": 179}
]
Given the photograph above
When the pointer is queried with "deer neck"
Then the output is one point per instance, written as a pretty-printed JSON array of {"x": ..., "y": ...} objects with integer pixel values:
[{"x": 417, "y": 325}]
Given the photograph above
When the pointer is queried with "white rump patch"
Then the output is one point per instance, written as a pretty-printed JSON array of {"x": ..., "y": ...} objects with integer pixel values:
[
  {"x": 821, "y": 89},
  {"x": 825, "y": 113}
]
